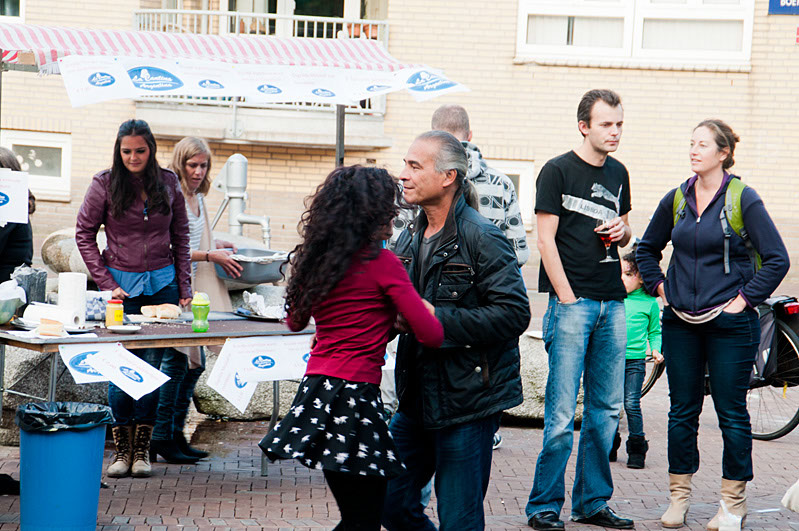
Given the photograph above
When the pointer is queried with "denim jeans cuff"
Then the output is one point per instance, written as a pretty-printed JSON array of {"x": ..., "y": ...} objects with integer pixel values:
[{"x": 590, "y": 513}]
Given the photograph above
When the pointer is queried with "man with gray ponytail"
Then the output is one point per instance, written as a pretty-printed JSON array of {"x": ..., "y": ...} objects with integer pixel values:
[{"x": 450, "y": 398}]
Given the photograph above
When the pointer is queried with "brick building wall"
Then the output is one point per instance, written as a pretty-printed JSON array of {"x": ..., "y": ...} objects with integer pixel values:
[
  {"x": 527, "y": 111},
  {"x": 523, "y": 112}
]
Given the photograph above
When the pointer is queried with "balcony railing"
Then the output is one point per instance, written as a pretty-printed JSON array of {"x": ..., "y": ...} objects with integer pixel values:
[{"x": 263, "y": 25}]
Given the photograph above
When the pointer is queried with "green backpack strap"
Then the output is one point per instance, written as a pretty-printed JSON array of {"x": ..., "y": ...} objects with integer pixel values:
[
  {"x": 678, "y": 206},
  {"x": 732, "y": 214}
]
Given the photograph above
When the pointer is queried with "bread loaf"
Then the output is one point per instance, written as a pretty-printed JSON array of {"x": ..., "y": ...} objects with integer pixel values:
[
  {"x": 161, "y": 311},
  {"x": 167, "y": 311},
  {"x": 48, "y": 327}
]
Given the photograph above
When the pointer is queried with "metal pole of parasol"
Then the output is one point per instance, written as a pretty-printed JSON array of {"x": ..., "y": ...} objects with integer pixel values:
[{"x": 339, "y": 135}]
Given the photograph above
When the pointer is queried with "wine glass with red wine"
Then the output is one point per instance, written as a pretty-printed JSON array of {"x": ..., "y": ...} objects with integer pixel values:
[{"x": 604, "y": 235}]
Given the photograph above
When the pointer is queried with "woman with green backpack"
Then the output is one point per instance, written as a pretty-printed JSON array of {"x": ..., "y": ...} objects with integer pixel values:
[{"x": 727, "y": 258}]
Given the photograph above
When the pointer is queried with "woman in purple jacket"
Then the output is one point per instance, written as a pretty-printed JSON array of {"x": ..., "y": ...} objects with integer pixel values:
[
  {"x": 146, "y": 261},
  {"x": 710, "y": 294}
]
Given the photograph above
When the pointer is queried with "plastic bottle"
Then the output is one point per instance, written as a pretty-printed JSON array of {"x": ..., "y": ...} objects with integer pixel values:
[{"x": 200, "y": 306}]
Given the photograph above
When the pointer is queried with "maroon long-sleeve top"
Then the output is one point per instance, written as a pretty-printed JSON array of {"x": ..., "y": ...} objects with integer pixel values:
[{"x": 354, "y": 321}]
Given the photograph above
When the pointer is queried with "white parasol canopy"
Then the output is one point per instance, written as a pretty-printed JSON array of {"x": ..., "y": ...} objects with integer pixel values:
[{"x": 100, "y": 65}]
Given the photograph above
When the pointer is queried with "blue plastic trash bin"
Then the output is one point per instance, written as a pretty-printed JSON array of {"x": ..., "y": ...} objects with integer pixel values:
[{"x": 61, "y": 463}]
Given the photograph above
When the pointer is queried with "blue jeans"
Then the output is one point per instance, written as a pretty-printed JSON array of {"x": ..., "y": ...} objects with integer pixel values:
[
  {"x": 634, "y": 372},
  {"x": 175, "y": 365},
  {"x": 186, "y": 393},
  {"x": 728, "y": 346},
  {"x": 126, "y": 410},
  {"x": 586, "y": 338},
  {"x": 460, "y": 458}
]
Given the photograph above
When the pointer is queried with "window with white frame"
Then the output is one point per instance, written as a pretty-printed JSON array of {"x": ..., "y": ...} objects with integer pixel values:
[
  {"x": 47, "y": 157},
  {"x": 636, "y": 33},
  {"x": 522, "y": 173},
  {"x": 12, "y": 10}
]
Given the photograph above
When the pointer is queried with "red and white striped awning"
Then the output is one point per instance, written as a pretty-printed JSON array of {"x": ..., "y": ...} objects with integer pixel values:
[
  {"x": 49, "y": 43},
  {"x": 10, "y": 57},
  {"x": 100, "y": 65}
]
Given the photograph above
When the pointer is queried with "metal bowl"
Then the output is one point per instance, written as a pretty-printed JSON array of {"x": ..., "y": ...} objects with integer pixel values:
[{"x": 253, "y": 272}]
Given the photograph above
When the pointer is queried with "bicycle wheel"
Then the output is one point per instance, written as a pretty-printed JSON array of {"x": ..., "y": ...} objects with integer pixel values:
[
  {"x": 774, "y": 409},
  {"x": 653, "y": 372}
]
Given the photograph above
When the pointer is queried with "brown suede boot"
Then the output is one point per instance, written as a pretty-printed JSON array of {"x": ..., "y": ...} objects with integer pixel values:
[
  {"x": 734, "y": 495},
  {"x": 123, "y": 456},
  {"x": 680, "y": 489},
  {"x": 141, "y": 452}
]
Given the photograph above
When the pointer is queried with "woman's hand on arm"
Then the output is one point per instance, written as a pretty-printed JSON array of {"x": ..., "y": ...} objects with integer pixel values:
[{"x": 401, "y": 324}]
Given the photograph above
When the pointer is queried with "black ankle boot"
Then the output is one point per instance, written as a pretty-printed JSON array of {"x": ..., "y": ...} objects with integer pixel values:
[
  {"x": 170, "y": 452},
  {"x": 9, "y": 485},
  {"x": 614, "y": 451},
  {"x": 185, "y": 448},
  {"x": 636, "y": 452}
]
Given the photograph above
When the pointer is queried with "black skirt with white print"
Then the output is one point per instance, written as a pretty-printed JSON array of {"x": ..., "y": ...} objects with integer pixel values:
[{"x": 338, "y": 425}]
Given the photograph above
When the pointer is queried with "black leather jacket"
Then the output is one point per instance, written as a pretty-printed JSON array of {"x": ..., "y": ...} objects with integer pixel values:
[{"x": 474, "y": 282}]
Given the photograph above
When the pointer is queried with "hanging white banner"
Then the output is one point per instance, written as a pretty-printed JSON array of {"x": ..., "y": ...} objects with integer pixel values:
[
  {"x": 225, "y": 380},
  {"x": 94, "y": 79},
  {"x": 75, "y": 359},
  {"x": 13, "y": 196},
  {"x": 100, "y": 78},
  {"x": 270, "y": 358},
  {"x": 127, "y": 371},
  {"x": 243, "y": 362}
]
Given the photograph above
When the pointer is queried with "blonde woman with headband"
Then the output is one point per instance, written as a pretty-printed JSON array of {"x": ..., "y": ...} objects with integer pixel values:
[{"x": 191, "y": 161}]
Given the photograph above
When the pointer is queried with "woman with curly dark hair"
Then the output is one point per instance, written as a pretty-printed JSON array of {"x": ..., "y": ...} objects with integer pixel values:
[{"x": 354, "y": 290}]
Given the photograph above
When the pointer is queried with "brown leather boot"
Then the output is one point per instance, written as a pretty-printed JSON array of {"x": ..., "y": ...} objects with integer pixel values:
[
  {"x": 123, "y": 456},
  {"x": 680, "y": 489},
  {"x": 734, "y": 495},
  {"x": 141, "y": 452}
]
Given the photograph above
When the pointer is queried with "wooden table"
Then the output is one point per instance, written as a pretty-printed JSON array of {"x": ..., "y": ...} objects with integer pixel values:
[{"x": 151, "y": 335}]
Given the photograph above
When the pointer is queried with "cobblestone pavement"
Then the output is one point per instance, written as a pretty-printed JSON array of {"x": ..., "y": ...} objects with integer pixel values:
[{"x": 227, "y": 491}]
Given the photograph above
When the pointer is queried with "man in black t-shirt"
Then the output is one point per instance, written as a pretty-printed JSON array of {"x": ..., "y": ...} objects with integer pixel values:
[{"x": 581, "y": 194}]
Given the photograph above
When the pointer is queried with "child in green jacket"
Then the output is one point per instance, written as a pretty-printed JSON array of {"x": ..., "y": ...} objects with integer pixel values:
[{"x": 643, "y": 329}]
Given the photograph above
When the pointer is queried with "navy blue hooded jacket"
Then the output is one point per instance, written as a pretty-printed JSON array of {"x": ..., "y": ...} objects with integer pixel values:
[{"x": 695, "y": 280}]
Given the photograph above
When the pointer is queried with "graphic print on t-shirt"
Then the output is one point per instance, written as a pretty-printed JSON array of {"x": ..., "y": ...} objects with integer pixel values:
[
  {"x": 591, "y": 209},
  {"x": 580, "y": 194}
]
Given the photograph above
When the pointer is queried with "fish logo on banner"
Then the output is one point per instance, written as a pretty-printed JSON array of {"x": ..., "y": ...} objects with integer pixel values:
[
  {"x": 80, "y": 364},
  {"x": 377, "y": 88},
  {"x": 323, "y": 93},
  {"x": 4, "y": 199},
  {"x": 132, "y": 374},
  {"x": 263, "y": 362},
  {"x": 425, "y": 81},
  {"x": 269, "y": 89},
  {"x": 211, "y": 84},
  {"x": 101, "y": 79},
  {"x": 241, "y": 384},
  {"x": 155, "y": 79}
]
